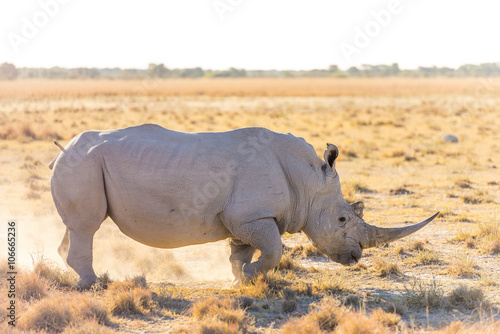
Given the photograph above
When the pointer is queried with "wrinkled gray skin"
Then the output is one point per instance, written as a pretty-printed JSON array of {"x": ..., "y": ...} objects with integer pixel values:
[{"x": 169, "y": 189}]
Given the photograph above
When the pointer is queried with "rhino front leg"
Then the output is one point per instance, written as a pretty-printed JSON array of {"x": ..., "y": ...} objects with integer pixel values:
[
  {"x": 240, "y": 254},
  {"x": 263, "y": 235}
]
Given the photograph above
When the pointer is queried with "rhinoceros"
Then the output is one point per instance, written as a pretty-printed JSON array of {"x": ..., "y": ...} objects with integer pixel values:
[{"x": 170, "y": 189}]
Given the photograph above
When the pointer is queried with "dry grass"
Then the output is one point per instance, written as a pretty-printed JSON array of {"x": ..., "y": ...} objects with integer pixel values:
[
  {"x": 129, "y": 297},
  {"x": 55, "y": 313},
  {"x": 32, "y": 286},
  {"x": 225, "y": 310},
  {"x": 49, "y": 271},
  {"x": 485, "y": 236},
  {"x": 424, "y": 295},
  {"x": 238, "y": 87},
  {"x": 328, "y": 316},
  {"x": 88, "y": 327},
  {"x": 386, "y": 268},
  {"x": 462, "y": 266},
  {"x": 426, "y": 257},
  {"x": 389, "y": 133},
  {"x": 468, "y": 298},
  {"x": 305, "y": 251}
]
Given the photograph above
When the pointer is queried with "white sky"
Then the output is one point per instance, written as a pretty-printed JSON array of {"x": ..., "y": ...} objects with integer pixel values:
[{"x": 255, "y": 34}]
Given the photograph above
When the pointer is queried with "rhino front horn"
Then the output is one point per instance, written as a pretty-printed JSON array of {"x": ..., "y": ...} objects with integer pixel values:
[{"x": 379, "y": 235}]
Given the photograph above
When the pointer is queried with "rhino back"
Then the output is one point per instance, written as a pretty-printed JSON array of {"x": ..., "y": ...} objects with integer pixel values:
[{"x": 169, "y": 189}]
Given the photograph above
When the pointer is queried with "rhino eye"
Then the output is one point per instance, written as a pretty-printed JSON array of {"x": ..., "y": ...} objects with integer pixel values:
[{"x": 342, "y": 220}]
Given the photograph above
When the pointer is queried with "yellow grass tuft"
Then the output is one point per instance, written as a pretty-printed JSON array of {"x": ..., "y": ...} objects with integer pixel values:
[
  {"x": 32, "y": 287},
  {"x": 386, "y": 268},
  {"x": 462, "y": 266},
  {"x": 129, "y": 296},
  {"x": 52, "y": 273},
  {"x": 468, "y": 298},
  {"x": 88, "y": 327},
  {"x": 58, "y": 311},
  {"x": 224, "y": 310}
]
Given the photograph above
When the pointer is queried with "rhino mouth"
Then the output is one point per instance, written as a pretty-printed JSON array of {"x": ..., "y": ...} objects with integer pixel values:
[{"x": 346, "y": 259}]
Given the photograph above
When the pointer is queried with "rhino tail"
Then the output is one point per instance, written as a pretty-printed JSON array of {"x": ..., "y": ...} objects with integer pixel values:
[{"x": 51, "y": 164}]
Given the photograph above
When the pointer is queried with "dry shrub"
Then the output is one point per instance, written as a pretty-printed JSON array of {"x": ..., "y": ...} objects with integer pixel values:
[
  {"x": 417, "y": 245},
  {"x": 214, "y": 326},
  {"x": 224, "y": 310},
  {"x": 358, "y": 267},
  {"x": 289, "y": 303},
  {"x": 462, "y": 183},
  {"x": 400, "y": 249},
  {"x": 359, "y": 323},
  {"x": 303, "y": 289},
  {"x": 426, "y": 257},
  {"x": 490, "y": 234},
  {"x": 491, "y": 246},
  {"x": 304, "y": 325},
  {"x": 129, "y": 296},
  {"x": 351, "y": 191},
  {"x": 422, "y": 295},
  {"x": 287, "y": 263},
  {"x": 58, "y": 311},
  {"x": 24, "y": 131},
  {"x": 477, "y": 198},
  {"x": 8, "y": 132},
  {"x": 333, "y": 284},
  {"x": 396, "y": 308},
  {"x": 462, "y": 235},
  {"x": 32, "y": 287},
  {"x": 385, "y": 268},
  {"x": 459, "y": 327},
  {"x": 353, "y": 300},
  {"x": 468, "y": 298},
  {"x": 470, "y": 243},
  {"x": 305, "y": 251},
  {"x": 327, "y": 313},
  {"x": 394, "y": 154},
  {"x": 328, "y": 316},
  {"x": 88, "y": 327},
  {"x": 388, "y": 319},
  {"x": 257, "y": 288},
  {"x": 401, "y": 191},
  {"x": 48, "y": 270},
  {"x": 462, "y": 266}
]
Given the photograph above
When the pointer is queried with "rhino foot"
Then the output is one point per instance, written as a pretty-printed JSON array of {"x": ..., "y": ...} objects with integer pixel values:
[
  {"x": 85, "y": 283},
  {"x": 236, "y": 284}
]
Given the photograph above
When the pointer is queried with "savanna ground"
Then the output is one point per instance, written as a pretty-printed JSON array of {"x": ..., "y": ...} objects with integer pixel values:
[{"x": 443, "y": 279}]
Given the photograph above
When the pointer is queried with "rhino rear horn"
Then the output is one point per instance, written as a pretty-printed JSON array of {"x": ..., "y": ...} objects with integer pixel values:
[
  {"x": 379, "y": 235},
  {"x": 357, "y": 208}
]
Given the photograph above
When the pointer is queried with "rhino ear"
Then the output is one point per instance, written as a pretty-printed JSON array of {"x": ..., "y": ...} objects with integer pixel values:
[
  {"x": 357, "y": 208},
  {"x": 331, "y": 153}
]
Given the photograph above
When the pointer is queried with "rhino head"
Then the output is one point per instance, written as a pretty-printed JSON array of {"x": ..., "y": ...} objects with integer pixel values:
[{"x": 337, "y": 228}]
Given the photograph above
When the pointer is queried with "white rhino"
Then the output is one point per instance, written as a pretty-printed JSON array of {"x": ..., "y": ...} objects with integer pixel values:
[{"x": 170, "y": 189}]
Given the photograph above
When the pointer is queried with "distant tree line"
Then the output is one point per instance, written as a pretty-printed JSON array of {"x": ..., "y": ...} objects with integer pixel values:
[{"x": 10, "y": 72}]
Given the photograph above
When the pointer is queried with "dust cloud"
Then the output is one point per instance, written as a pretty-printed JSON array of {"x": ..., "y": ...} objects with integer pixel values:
[
  {"x": 26, "y": 200},
  {"x": 39, "y": 236}
]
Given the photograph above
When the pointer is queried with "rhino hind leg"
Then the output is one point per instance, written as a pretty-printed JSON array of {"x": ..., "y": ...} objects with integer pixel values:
[
  {"x": 80, "y": 198},
  {"x": 263, "y": 235},
  {"x": 63, "y": 248},
  {"x": 80, "y": 257}
]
